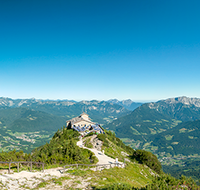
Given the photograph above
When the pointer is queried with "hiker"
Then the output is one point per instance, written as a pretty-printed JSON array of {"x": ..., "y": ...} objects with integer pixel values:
[{"x": 116, "y": 161}]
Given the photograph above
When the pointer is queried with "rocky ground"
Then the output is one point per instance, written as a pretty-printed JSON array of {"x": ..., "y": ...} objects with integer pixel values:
[
  {"x": 52, "y": 178},
  {"x": 49, "y": 179}
]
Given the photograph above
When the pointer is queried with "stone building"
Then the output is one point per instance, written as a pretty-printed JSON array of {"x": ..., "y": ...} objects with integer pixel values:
[
  {"x": 80, "y": 121},
  {"x": 84, "y": 125}
]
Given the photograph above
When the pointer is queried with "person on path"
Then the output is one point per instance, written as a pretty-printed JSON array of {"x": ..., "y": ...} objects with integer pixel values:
[{"x": 116, "y": 161}]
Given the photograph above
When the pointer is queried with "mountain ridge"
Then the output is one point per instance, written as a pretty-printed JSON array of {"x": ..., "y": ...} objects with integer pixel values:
[
  {"x": 128, "y": 104},
  {"x": 100, "y": 111}
]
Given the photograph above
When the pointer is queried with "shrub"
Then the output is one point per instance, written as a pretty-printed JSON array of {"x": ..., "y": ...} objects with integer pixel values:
[
  {"x": 88, "y": 143},
  {"x": 147, "y": 158}
]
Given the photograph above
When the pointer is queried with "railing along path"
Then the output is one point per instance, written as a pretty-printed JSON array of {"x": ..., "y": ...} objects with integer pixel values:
[
  {"x": 23, "y": 162},
  {"x": 97, "y": 166}
]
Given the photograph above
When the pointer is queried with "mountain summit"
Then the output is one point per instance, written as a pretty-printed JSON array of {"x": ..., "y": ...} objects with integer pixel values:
[
  {"x": 128, "y": 104},
  {"x": 184, "y": 100}
]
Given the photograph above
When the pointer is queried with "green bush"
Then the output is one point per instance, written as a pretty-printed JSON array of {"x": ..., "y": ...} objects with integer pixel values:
[
  {"x": 88, "y": 143},
  {"x": 62, "y": 149},
  {"x": 165, "y": 182},
  {"x": 147, "y": 158},
  {"x": 102, "y": 137},
  {"x": 89, "y": 134},
  {"x": 14, "y": 156}
]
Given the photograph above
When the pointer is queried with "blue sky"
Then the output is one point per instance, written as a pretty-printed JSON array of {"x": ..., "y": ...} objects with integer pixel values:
[{"x": 85, "y": 49}]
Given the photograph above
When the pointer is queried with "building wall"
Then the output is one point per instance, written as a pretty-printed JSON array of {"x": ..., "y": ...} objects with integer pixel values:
[{"x": 82, "y": 123}]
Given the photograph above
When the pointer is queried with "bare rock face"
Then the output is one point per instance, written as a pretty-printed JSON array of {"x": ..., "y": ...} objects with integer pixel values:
[
  {"x": 173, "y": 101},
  {"x": 180, "y": 108},
  {"x": 184, "y": 100}
]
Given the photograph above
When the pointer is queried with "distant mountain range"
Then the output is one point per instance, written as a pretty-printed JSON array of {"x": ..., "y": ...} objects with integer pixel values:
[
  {"x": 152, "y": 120},
  {"x": 128, "y": 104},
  {"x": 100, "y": 111},
  {"x": 181, "y": 108},
  {"x": 8, "y": 102}
]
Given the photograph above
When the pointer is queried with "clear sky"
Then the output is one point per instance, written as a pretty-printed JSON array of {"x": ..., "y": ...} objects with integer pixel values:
[{"x": 99, "y": 49}]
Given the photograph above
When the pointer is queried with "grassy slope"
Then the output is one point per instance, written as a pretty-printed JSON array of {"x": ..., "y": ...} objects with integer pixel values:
[
  {"x": 141, "y": 122},
  {"x": 26, "y": 120},
  {"x": 134, "y": 174}
]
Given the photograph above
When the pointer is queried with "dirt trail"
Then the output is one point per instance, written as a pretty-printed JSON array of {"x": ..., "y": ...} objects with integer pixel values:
[{"x": 103, "y": 159}]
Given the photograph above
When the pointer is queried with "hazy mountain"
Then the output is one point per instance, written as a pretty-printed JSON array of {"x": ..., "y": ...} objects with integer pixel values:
[
  {"x": 128, "y": 104},
  {"x": 26, "y": 120},
  {"x": 25, "y": 129},
  {"x": 152, "y": 118},
  {"x": 100, "y": 111},
  {"x": 181, "y": 108},
  {"x": 141, "y": 123},
  {"x": 8, "y": 102}
]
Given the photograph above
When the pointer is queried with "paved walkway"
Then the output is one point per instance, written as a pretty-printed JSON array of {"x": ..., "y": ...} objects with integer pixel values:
[{"x": 103, "y": 159}]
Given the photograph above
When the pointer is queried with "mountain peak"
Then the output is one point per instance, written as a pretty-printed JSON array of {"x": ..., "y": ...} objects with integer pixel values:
[
  {"x": 184, "y": 100},
  {"x": 128, "y": 104}
]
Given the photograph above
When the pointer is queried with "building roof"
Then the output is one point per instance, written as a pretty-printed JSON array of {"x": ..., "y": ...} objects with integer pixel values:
[
  {"x": 82, "y": 119},
  {"x": 79, "y": 118},
  {"x": 84, "y": 114}
]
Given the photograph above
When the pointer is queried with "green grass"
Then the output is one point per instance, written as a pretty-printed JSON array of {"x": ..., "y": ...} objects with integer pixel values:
[
  {"x": 135, "y": 132},
  {"x": 159, "y": 121},
  {"x": 147, "y": 121},
  {"x": 134, "y": 174},
  {"x": 58, "y": 181},
  {"x": 153, "y": 131},
  {"x": 183, "y": 130},
  {"x": 114, "y": 151},
  {"x": 169, "y": 137},
  {"x": 175, "y": 142},
  {"x": 88, "y": 143}
]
